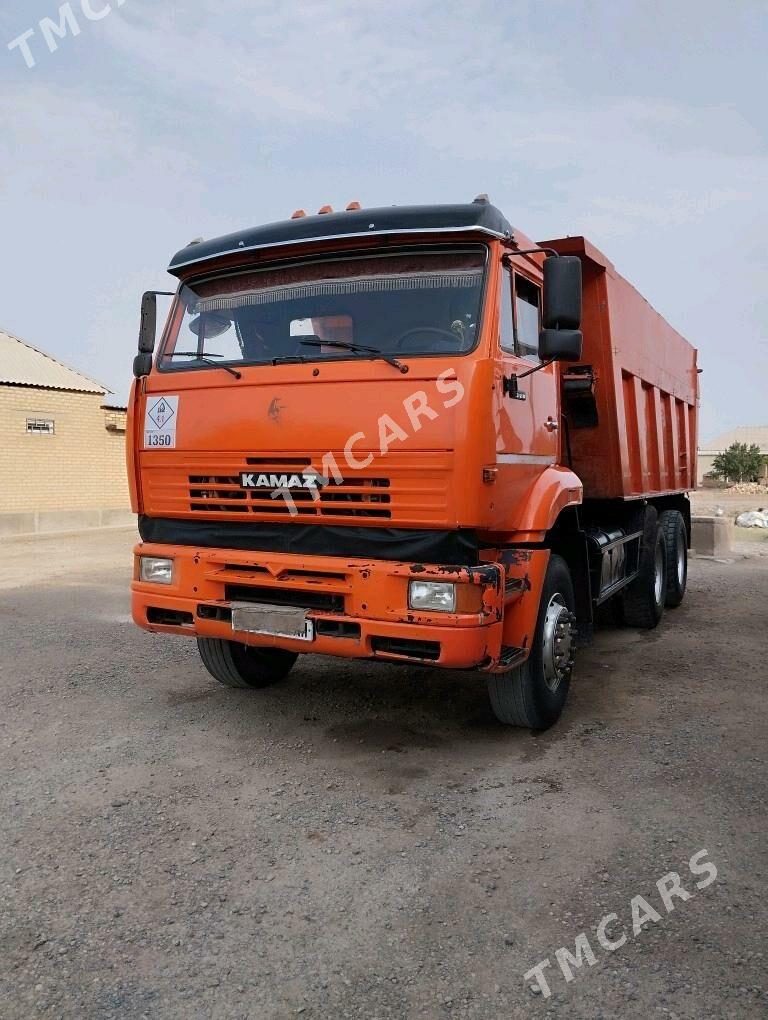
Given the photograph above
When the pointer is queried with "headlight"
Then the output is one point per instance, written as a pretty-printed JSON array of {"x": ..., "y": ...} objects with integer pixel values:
[
  {"x": 436, "y": 595},
  {"x": 155, "y": 570}
]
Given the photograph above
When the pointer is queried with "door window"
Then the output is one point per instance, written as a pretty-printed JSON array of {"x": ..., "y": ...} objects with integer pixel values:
[
  {"x": 527, "y": 305},
  {"x": 506, "y": 316}
]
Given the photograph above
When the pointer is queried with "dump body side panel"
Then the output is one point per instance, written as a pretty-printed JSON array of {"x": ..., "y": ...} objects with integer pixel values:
[{"x": 645, "y": 390}]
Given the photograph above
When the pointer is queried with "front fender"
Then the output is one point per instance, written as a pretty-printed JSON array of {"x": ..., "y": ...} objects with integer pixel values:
[{"x": 553, "y": 490}]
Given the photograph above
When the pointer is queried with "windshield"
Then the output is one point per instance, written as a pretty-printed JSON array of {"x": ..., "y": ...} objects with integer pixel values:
[{"x": 398, "y": 305}]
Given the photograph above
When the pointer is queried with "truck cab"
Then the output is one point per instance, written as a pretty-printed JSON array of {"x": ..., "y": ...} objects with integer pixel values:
[{"x": 350, "y": 439}]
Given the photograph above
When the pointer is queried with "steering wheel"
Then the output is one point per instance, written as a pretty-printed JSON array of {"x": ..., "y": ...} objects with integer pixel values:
[{"x": 426, "y": 329}]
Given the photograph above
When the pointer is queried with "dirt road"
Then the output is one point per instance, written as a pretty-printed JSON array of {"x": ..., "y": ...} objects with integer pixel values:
[{"x": 366, "y": 841}]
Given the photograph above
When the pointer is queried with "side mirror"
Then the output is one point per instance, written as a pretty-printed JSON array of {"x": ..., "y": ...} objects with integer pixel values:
[
  {"x": 561, "y": 339},
  {"x": 562, "y": 292},
  {"x": 142, "y": 363},
  {"x": 560, "y": 345},
  {"x": 148, "y": 327}
]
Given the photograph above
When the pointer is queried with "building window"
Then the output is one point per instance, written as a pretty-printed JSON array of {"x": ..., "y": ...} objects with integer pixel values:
[
  {"x": 40, "y": 426},
  {"x": 114, "y": 419}
]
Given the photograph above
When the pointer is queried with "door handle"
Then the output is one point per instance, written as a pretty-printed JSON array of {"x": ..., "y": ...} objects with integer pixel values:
[{"x": 551, "y": 425}]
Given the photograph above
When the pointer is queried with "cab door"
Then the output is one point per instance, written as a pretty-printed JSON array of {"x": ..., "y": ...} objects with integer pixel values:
[{"x": 528, "y": 436}]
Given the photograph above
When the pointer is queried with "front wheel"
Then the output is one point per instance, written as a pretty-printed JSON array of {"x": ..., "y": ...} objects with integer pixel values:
[
  {"x": 533, "y": 695},
  {"x": 237, "y": 665}
]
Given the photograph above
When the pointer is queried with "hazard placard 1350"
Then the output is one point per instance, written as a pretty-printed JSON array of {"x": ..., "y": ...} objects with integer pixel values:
[{"x": 160, "y": 419}]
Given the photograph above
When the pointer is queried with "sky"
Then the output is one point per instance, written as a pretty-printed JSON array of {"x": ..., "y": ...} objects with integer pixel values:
[{"x": 641, "y": 125}]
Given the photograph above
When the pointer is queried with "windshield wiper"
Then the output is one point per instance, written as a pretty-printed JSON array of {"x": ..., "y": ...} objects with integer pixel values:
[
  {"x": 344, "y": 345},
  {"x": 206, "y": 361}
]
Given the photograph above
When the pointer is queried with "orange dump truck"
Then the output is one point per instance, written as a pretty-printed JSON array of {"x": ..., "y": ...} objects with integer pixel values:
[{"x": 408, "y": 434}]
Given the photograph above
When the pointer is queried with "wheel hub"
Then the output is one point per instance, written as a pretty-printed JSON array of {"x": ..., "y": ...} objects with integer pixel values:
[
  {"x": 658, "y": 575},
  {"x": 680, "y": 560},
  {"x": 558, "y": 641}
]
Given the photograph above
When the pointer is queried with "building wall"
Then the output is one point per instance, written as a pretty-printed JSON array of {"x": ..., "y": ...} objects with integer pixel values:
[
  {"x": 706, "y": 461},
  {"x": 81, "y": 466}
]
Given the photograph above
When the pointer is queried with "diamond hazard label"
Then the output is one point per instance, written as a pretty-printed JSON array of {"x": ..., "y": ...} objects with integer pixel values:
[
  {"x": 160, "y": 422},
  {"x": 160, "y": 412}
]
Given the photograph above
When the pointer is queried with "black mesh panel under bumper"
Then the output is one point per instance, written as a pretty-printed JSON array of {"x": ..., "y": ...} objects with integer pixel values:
[{"x": 406, "y": 544}]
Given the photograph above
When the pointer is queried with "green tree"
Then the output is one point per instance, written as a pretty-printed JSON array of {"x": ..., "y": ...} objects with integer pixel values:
[{"x": 739, "y": 463}]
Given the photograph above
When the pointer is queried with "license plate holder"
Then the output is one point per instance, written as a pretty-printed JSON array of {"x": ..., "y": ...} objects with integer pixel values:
[{"x": 273, "y": 621}]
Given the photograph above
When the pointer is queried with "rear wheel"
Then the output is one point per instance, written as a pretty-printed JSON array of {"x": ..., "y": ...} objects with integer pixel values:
[
  {"x": 672, "y": 524},
  {"x": 237, "y": 665},
  {"x": 533, "y": 695},
  {"x": 644, "y": 597}
]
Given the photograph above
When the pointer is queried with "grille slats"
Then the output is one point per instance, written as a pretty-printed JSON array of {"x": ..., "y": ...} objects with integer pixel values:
[
  {"x": 359, "y": 497},
  {"x": 409, "y": 487}
]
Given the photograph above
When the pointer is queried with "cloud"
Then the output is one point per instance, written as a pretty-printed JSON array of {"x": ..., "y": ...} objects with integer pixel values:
[
  {"x": 284, "y": 63},
  {"x": 83, "y": 210},
  {"x": 174, "y": 120}
]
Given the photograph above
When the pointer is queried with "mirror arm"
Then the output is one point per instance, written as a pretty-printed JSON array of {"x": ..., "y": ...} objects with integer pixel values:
[
  {"x": 510, "y": 382},
  {"x": 529, "y": 251},
  {"x": 536, "y": 368}
]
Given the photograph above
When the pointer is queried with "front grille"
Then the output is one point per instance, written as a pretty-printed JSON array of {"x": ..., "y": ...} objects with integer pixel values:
[
  {"x": 350, "y": 497},
  {"x": 284, "y": 597},
  {"x": 406, "y": 488},
  {"x": 222, "y": 493}
]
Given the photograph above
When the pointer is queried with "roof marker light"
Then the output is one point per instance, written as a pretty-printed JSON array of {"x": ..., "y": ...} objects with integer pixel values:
[
  {"x": 324, "y": 210},
  {"x": 353, "y": 207},
  {"x": 298, "y": 214}
]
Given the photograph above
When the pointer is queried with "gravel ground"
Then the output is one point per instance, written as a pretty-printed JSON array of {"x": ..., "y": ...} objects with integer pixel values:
[
  {"x": 751, "y": 542},
  {"x": 364, "y": 840},
  {"x": 709, "y": 501}
]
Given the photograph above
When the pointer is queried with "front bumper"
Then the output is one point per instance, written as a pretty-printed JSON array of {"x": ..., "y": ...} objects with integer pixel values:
[{"x": 359, "y": 607}]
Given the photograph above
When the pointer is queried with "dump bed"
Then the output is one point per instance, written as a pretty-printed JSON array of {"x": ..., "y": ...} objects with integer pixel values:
[{"x": 631, "y": 402}]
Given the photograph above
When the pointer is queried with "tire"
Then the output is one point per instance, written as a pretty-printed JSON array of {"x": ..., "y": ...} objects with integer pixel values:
[
  {"x": 644, "y": 598},
  {"x": 672, "y": 524},
  {"x": 236, "y": 665},
  {"x": 530, "y": 695}
]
